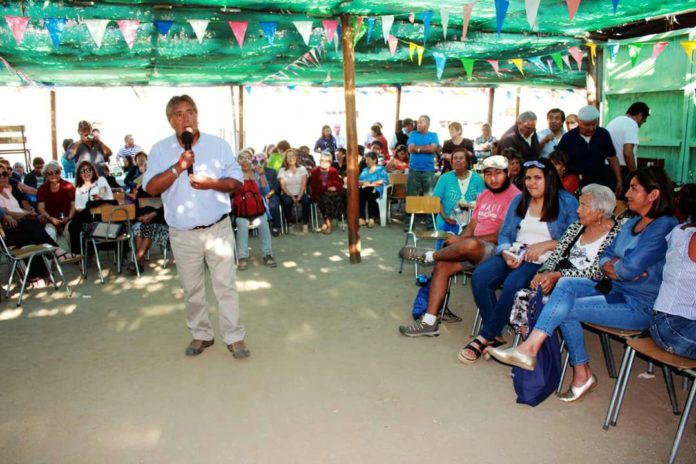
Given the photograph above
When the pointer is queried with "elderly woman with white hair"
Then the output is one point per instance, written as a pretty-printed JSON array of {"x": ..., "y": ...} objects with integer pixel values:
[
  {"x": 55, "y": 199},
  {"x": 578, "y": 251}
]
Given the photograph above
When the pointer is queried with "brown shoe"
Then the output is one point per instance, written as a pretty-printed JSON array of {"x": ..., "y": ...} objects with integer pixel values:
[
  {"x": 196, "y": 347},
  {"x": 239, "y": 350}
]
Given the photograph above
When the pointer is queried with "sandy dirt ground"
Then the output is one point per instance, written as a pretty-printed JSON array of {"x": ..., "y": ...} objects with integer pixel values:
[{"x": 101, "y": 377}]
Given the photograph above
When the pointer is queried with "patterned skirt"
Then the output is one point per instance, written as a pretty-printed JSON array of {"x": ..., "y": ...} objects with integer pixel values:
[
  {"x": 331, "y": 206},
  {"x": 158, "y": 233}
]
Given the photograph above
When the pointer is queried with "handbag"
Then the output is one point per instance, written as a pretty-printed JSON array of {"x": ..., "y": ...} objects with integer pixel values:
[{"x": 533, "y": 387}]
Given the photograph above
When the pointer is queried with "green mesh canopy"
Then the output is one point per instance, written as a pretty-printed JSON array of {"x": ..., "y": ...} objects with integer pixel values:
[{"x": 179, "y": 58}]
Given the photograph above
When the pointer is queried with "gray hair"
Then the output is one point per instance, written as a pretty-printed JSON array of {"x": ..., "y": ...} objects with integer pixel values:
[
  {"x": 526, "y": 116},
  {"x": 52, "y": 165},
  {"x": 17, "y": 165},
  {"x": 601, "y": 198},
  {"x": 326, "y": 153}
]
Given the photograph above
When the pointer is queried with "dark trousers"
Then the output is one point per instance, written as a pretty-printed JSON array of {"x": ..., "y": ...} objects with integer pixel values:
[
  {"x": 369, "y": 197},
  {"x": 274, "y": 207},
  {"x": 75, "y": 227},
  {"x": 28, "y": 232},
  {"x": 287, "y": 207}
]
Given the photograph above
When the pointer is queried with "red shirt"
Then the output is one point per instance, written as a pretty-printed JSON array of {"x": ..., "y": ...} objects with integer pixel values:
[
  {"x": 56, "y": 202},
  {"x": 320, "y": 181},
  {"x": 571, "y": 183}
]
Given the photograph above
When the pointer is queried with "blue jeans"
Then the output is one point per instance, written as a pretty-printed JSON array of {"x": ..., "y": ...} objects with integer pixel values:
[
  {"x": 242, "y": 236},
  {"x": 420, "y": 183},
  {"x": 675, "y": 334},
  {"x": 488, "y": 276},
  {"x": 274, "y": 207},
  {"x": 287, "y": 207},
  {"x": 576, "y": 300}
]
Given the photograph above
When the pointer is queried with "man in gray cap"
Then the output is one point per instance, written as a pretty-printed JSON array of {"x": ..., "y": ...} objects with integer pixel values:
[
  {"x": 589, "y": 149},
  {"x": 475, "y": 244},
  {"x": 522, "y": 137}
]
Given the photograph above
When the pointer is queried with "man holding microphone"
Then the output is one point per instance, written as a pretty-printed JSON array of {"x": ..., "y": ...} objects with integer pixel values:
[{"x": 196, "y": 208}]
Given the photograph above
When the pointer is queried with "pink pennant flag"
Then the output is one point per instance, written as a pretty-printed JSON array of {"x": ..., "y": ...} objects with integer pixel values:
[
  {"x": 393, "y": 41},
  {"x": 494, "y": 63},
  {"x": 330, "y": 26},
  {"x": 658, "y": 48},
  {"x": 577, "y": 56},
  {"x": 129, "y": 29},
  {"x": 309, "y": 57},
  {"x": 572, "y": 8},
  {"x": 411, "y": 17},
  {"x": 468, "y": 8},
  {"x": 566, "y": 60},
  {"x": 314, "y": 55},
  {"x": 239, "y": 29},
  {"x": 18, "y": 25}
]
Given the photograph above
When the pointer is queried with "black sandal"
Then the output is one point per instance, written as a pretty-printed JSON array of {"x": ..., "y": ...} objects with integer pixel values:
[{"x": 476, "y": 346}]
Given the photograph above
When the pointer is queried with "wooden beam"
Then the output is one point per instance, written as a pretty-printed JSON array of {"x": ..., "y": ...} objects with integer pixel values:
[
  {"x": 235, "y": 134},
  {"x": 242, "y": 141},
  {"x": 593, "y": 79},
  {"x": 517, "y": 102},
  {"x": 491, "y": 102},
  {"x": 398, "y": 105},
  {"x": 54, "y": 130},
  {"x": 351, "y": 138}
]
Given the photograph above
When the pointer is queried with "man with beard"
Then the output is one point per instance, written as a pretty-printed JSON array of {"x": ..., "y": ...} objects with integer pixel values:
[{"x": 476, "y": 244}]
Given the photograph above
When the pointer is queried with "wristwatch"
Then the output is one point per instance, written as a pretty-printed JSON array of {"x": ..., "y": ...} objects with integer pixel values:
[{"x": 173, "y": 169}]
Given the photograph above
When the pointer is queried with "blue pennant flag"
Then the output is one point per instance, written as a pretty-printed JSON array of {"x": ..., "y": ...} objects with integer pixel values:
[
  {"x": 427, "y": 16},
  {"x": 616, "y": 5},
  {"x": 163, "y": 26},
  {"x": 538, "y": 63},
  {"x": 501, "y": 7},
  {"x": 370, "y": 25},
  {"x": 440, "y": 60},
  {"x": 613, "y": 50},
  {"x": 269, "y": 29},
  {"x": 55, "y": 28}
]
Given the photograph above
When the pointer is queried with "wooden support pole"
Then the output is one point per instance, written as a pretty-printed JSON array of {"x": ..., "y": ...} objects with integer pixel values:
[
  {"x": 242, "y": 141},
  {"x": 491, "y": 102},
  {"x": 54, "y": 129},
  {"x": 398, "y": 105},
  {"x": 351, "y": 138},
  {"x": 235, "y": 134},
  {"x": 593, "y": 79},
  {"x": 517, "y": 102}
]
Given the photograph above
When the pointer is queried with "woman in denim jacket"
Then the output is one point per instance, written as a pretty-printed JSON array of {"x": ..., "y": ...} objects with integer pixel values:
[
  {"x": 632, "y": 266},
  {"x": 535, "y": 221}
]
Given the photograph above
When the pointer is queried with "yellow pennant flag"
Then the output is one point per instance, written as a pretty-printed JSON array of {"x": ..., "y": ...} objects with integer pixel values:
[
  {"x": 593, "y": 51},
  {"x": 411, "y": 48},
  {"x": 689, "y": 46},
  {"x": 518, "y": 62},
  {"x": 420, "y": 50}
]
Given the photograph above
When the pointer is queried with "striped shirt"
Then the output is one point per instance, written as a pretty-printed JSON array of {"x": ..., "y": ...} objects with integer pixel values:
[
  {"x": 125, "y": 151},
  {"x": 677, "y": 296}
]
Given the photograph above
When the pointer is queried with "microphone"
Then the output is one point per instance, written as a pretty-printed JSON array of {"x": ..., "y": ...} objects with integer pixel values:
[{"x": 187, "y": 139}]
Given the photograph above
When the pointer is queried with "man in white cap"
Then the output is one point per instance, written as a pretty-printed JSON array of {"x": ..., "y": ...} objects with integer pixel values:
[
  {"x": 589, "y": 149},
  {"x": 476, "y": 243}
]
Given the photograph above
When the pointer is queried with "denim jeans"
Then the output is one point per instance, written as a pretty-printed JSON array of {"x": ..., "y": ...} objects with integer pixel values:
[
  {"x": 287, "y": 207},
  {"x": 576, "y": 300},
  {"x": 274, "y": 207},
  {"x": 675, "y": 334},
  {"x": 243, "y": 236},
  {"x": 488, "y": 276},
  {"x": 420, "y": 182}
]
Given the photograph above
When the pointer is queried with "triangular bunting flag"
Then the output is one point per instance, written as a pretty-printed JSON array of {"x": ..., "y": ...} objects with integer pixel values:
[
  {"x": 613, "y": 50},
  {"x": 55, "y": 28},
  {"x": 577, "y": 56},
  {"x": 269, "y": 30},
  {"x": 440, "y": 61},
  {"x": 411, "y": 49},
  {"x": 468, "y": 64},
  {"x": 330, "y": 26},
  {"x": 532, "y": 7},
  {"x": 593, "y": 51},
  {"x": 519, "y": 63},
  {"x": 305, "y": 30},
  {"x": 370, "y": 25},
  {"x": 309, "y": 58},
  {"x": 536, "y": 61},
  {"x": 359, "y": 29},
  {"x": 420, "y": 50},
  {"x": 444, "y": 15},
  {"x": 18, "y": 25},
  {"x": 633, "y": 52},
  {"x": 566, "y": 60},
  {"x": 387, "y": 22},
  {"x": 501, "y": 7},
  {"x": 392, "y": 45},
  {"x": 411, "y": 17},
  {"x": 689, "y": 46},
  {"x": 658, "y": 48},
  {"x": 427, "y": 17},
  {"x": 129, "y": 29},
  {"x": 616, "y": 5},
  {"x": 548, "y": 63},
  {"x": 314, "y": 55},
  {"x": 468, "y": 8},
  {"x": 96, "y": 28},
  {"x": 494, "y": 64},
  {"x": 558, "y": 60},
  {"x": 199, "y": 26},
  {"x": 239, "y": 29},
  {"x": 572, "y": 8},
  {"x": 162, "y": 25}
]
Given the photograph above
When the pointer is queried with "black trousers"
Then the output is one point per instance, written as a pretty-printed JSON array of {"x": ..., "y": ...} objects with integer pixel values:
[{"x": 369, "y": 197}]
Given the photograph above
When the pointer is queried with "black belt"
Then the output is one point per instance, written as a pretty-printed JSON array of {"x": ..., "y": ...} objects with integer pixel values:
[{"x": 211, "y": 225}]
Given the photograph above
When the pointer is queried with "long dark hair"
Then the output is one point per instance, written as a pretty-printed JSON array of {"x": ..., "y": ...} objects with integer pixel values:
[
  {"x": 552, "y": 188},
  {"x": 78, "y": 178},
  {"x": 651, "y": 178}
]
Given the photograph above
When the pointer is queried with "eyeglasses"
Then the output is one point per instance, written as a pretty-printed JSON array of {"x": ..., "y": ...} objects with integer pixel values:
[
  {"x": 4, "y": 174},
  {"x": 52, "y": 173},
  {"x": 86, "y": 171},
  {"x": 533, "y": 164}
]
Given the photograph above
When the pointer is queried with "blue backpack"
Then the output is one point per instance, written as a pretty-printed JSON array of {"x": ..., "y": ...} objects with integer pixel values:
[
  {"x": 533, "y": 387},
  {"x": 420, "y": 304}
]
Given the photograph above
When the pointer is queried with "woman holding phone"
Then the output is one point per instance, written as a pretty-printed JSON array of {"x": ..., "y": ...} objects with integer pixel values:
[{"x": 89, "y": 186}]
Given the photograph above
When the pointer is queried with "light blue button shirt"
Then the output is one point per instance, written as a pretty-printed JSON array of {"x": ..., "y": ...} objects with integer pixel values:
[
  {"x": 550, "y": 145},
  {"x": 184, "y": 206}
]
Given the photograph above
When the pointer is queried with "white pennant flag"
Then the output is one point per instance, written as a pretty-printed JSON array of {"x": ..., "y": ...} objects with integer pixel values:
[
  {"x": 444, "y": 14},
  {"x": 199, "y": 26},
  {"x": 96, "y": 28},
  {"x": 305, "y": 30},
  {"x": 532, "y": 7},
  {"x": 387, "y": 22}
]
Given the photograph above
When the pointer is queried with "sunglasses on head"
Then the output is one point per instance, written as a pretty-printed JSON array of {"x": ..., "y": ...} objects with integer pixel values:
[
  {"x": 4, "y": 174},
  {"x": 86, "y": 171},
  {"x": 533, "y": 164}
]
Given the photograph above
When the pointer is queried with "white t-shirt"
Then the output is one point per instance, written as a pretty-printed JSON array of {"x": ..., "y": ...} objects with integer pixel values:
[
  {"x": 583, "y": 255},
  {"x": 293, "y": 181},
  {"x": 83, "y": 194},
  {"x": 623, "y": 130}
]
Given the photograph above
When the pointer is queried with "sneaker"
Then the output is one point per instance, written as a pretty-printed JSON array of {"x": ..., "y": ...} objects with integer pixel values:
[
  {"x": 243, "y": 264},
  {"x": 275, "y": 232},
  {"x": 450, "y": 317},
  {"x": 269, "y": 261},
  {"x": 305, "y": 229},
  {"x": 420, "y": 329},
  {"x": 410, "y": 253}
]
